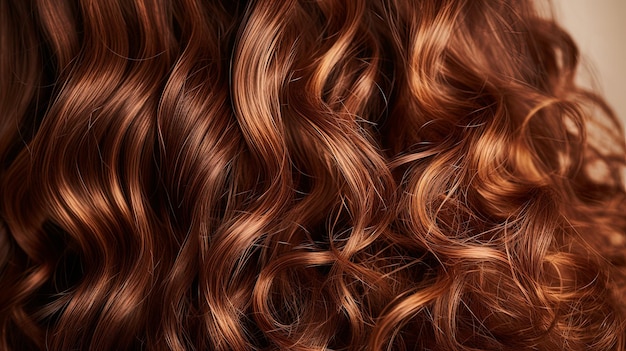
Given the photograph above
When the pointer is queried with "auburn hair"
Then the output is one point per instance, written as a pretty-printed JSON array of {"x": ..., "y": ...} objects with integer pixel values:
[{"x": 304, "y": 175}]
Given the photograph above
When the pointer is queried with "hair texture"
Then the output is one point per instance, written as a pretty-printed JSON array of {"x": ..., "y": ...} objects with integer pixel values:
[{"x": 304, "y": 175}]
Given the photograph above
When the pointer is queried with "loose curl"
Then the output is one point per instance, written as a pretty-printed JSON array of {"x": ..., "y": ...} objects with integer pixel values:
[{"x": 304, "y": 175}]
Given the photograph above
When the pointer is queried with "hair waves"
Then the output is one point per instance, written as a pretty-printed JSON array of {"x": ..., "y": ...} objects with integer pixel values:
[{"x": 303, "y": 175}]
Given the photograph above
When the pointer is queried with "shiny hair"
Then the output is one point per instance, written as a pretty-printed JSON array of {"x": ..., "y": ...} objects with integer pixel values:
[{"x": 304, "y": 175}]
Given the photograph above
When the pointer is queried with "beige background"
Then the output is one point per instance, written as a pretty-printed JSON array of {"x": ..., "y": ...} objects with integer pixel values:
[{"x": 599, "y": 28}]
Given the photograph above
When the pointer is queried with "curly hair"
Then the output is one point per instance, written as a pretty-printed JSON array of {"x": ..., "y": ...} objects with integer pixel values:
[{"x": 304, "y": 175}]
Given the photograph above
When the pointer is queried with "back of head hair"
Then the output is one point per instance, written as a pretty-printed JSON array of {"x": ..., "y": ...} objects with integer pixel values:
[{"x": 304, "y": 175}]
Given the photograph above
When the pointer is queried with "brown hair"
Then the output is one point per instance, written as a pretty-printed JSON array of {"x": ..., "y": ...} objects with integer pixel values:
[{"x": 303, "y": 175}]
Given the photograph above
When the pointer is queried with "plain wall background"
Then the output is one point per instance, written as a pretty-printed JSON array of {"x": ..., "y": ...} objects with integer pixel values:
[{"x": 599, "y": 29}]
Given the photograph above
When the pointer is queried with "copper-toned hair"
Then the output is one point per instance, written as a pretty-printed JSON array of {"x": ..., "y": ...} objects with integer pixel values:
[{"x": 304, "y": 175}]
